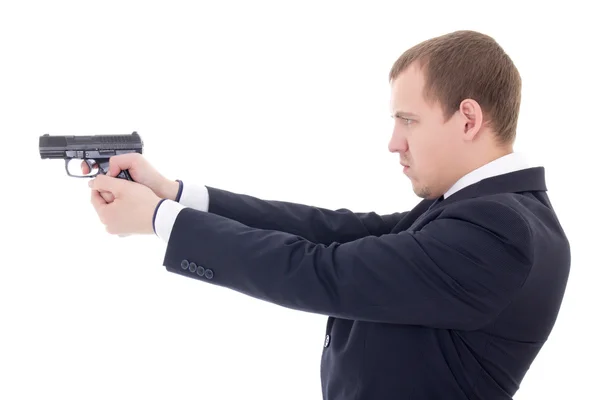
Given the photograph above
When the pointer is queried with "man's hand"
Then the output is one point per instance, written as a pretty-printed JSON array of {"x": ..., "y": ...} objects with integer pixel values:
[
  {"x": 132, "y": 209},
  {"x": 142, "y": 172}
]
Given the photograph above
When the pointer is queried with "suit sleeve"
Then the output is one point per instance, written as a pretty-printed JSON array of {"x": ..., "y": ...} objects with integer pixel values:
[
  {"x": 457, "y": 272},
  {"x": 318, "y": 225}
]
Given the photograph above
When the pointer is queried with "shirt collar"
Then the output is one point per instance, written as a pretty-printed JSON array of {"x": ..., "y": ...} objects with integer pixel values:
[{"x": 503, "y": 165}]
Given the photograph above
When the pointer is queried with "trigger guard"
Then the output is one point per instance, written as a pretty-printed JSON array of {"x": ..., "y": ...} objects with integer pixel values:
[{"x": 87, "y": 162}]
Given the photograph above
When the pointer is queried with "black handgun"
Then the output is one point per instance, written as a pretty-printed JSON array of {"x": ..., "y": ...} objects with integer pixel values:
[{"x": 93, "y": 149}]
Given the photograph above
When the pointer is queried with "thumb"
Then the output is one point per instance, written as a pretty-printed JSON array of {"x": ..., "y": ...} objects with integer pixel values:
[
  {"x": 107, "y": 183},
  {"x": 121, "y": 162}
]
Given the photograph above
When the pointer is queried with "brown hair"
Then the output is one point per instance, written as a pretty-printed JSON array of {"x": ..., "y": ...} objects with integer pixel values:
[{"x": 468, "y": 64}]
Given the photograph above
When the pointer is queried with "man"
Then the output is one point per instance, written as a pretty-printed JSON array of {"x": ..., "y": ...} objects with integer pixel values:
[{"x": 451, "y": 300}]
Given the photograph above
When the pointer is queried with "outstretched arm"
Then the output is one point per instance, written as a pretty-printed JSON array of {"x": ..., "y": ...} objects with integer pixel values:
[
  {"x": 457, "y": 272},
  {"x": 318, "y": 225}
]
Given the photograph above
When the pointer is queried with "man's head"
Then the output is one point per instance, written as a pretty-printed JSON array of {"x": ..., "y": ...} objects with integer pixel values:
[{"x": 455, "y": 100}]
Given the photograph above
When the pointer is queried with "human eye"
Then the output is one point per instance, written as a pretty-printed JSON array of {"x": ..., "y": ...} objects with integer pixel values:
[{"x": 406, "y": 121}]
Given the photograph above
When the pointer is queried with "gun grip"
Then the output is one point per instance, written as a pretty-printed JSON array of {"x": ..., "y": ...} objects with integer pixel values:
[{"x": 125, "y": 175}]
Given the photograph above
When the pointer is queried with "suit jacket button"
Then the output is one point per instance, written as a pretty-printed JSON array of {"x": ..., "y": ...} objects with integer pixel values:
[
  {"x": 200, "y": 270},
  {"x": 192, "y": 267},
  {"x": 208, "y": 273},
  {"x": 327, "y": 340},
  {"x": 184, "y": 264}
]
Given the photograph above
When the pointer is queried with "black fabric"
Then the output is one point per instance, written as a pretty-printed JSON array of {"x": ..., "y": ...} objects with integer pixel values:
[{"x": 451, "y": 300}]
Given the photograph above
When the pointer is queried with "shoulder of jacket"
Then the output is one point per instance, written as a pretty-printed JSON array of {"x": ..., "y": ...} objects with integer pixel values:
[{"x": 501, "y": 213}]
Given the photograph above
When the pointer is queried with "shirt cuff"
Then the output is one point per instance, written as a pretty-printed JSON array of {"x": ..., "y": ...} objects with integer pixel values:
[
  {"x": 193, "y": 195},
  {"x": 164, "y": 218},
  {"x": 178, "y": 197}
]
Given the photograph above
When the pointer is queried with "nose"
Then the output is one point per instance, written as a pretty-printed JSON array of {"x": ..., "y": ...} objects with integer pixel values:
[{"x": 397, "y": 143}]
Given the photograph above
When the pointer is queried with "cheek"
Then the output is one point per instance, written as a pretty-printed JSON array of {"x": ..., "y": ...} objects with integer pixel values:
[
  {"x": 428, "y": 150},
  {"x": 423, "y": 145}
]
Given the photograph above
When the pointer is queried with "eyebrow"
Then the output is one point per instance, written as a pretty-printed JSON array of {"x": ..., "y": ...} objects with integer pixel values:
[{"x": 403, "y": 114}]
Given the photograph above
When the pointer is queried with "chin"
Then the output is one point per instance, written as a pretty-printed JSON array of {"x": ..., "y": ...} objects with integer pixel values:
[{"x": 422, "y": 192}]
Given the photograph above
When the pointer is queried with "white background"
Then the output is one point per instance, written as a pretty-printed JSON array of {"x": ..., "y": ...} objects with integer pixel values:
[{"x": 281, "y": 100}]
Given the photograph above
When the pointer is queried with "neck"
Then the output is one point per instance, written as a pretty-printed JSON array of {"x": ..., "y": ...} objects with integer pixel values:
[
  {"x": 486, "y": 157},
  {"x": 477, "y": 159}
]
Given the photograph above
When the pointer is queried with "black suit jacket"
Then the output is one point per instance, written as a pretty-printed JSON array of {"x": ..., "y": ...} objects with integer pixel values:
[{"x": 446, "y": 302}]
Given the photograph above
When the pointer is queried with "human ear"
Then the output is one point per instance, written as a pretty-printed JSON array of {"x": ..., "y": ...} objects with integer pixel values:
[{"x": 472, "y": 118}]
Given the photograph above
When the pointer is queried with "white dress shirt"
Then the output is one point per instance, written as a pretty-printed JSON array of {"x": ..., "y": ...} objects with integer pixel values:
[
  {"x": 196, "y": 196},
  {"x": 509, "y": 163}
]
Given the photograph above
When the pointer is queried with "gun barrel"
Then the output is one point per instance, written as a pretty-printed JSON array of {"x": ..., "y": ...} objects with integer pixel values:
[{"x": 75, "y": 146}]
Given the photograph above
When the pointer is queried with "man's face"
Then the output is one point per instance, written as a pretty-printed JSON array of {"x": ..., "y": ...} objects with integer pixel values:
[{"x": 426, "y": 145}]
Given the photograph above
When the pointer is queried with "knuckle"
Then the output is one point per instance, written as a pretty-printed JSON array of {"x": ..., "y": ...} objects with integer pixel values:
[{"x": 136, "y": 159}]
